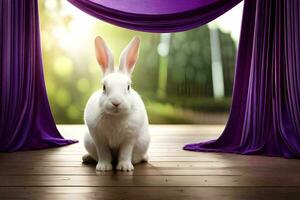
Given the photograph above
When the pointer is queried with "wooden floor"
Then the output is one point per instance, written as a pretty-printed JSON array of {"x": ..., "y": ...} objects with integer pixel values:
[{"x": 171, "y": 173}]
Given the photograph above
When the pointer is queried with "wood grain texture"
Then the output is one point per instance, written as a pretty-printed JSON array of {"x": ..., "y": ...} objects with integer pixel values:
[
  {"x": 149, "y": 193},
  {"x": 171, "y": 173}
]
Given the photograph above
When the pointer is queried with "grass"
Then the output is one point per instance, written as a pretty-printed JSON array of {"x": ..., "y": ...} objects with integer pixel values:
[
  {"x": 177, "y": 110},
  {"x": 159, "y": 113}
]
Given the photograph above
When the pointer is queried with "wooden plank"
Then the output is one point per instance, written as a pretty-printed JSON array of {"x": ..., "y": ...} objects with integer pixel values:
[
  {"x": 158, "y": 168},
  {"x": 150, "y": 170},
  {"x": 44, "y": 156},
  {"x": 277, "y": 166},
  {"x": 199, "y": 164},
  {"x": 205, "y": 162},
  {"x": 77, "y": 158},
  {"x": 79, "y": 164},
  {"x": 138, "y": 171},
  {"x": 151, "y": 181},
  {"x": 79, "y": 146},
  {"x": 150, "y": 193},
  {"x": 75, "y": 155},
  {"x": 62, "y": 158},
  {"x": 166, "y": 153},
  {"x": 179, "y": 138},
  {"x": 185, "y": 156},
  {"x": 32, "y": 157},
  {"x": 61, "y": 151}
]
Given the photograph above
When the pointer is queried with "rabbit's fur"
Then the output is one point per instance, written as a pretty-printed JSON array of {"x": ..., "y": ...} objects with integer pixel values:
[{"x": 116, "y": 118}]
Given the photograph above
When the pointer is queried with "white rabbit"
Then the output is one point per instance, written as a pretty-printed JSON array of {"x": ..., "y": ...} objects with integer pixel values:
[{"x": 116, "y": 117}]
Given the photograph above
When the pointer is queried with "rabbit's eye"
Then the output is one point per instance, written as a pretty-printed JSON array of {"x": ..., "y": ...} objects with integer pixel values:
[
  {"x": 128, "y": 87},
  {"x": 104, "y": 88}
]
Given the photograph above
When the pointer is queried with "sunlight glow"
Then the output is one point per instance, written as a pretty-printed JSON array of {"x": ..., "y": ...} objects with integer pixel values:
[
  {"x": 63, "y": 66},
  {"x": 78, "y": 31},
  {"x": 50, "y": 4},
  {"x": 230, "y": 22}
]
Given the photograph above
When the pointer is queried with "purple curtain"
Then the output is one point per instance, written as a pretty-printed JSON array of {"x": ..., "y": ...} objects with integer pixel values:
[
  {"x": 265, "y": 112},
  {"x": 26, "y": 121}
]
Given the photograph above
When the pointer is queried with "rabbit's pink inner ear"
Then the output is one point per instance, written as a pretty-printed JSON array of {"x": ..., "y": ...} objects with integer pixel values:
[
  {"x": 101, "y": 53},
  {"x": 131, "y": 55}
]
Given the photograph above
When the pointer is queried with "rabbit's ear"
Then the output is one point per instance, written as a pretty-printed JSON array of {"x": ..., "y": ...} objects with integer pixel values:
[
  {"x": 129, "y": 56},
  {"x": 104, "y": 56}
]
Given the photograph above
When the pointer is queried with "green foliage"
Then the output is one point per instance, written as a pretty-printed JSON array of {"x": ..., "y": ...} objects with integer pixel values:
[
  {"x": 189, "y": 72},
  {"x": 190, "y": 64},
  {"x": 160, "y": 113},
  {"x": 72, "y": 73},
  {"x": 199, "y": 104},
  {"x": 228, "y": 60}
]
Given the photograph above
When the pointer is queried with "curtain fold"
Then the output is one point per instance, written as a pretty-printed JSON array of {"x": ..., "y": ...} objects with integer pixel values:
[
  {"x": 156, "y": 15},
  {"x": 265, "y": 113},
  {"x": 26, "y": 121}
]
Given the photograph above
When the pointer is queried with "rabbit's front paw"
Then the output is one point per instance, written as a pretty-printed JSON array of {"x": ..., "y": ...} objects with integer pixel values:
[
  {"x": 87, "y": 158},
  {"x": 125, "y": 166},
  {"x": 104, "y": 166}
]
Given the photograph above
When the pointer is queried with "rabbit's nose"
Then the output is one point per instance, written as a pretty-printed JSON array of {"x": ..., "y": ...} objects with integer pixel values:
[{"x": 116, "y": 104}]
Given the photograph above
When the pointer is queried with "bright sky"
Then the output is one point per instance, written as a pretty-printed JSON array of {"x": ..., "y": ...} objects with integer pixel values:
[{"x": 230, "y": 22}]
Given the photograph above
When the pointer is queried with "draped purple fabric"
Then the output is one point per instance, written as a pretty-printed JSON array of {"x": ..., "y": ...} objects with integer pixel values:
[
  {"x": 265, "y": 113},
  {"x": 156, "y": 15},
  {"x": 26, "y": 121}
]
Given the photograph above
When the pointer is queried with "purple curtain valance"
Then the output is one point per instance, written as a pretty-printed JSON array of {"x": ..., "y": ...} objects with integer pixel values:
[{"x": 156, "y": 15}]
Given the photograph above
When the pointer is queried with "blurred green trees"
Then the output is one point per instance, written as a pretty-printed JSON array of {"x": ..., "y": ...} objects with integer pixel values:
[
  {"x": 72, "y": 73},
  {"x": 190, "y": 63}
]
